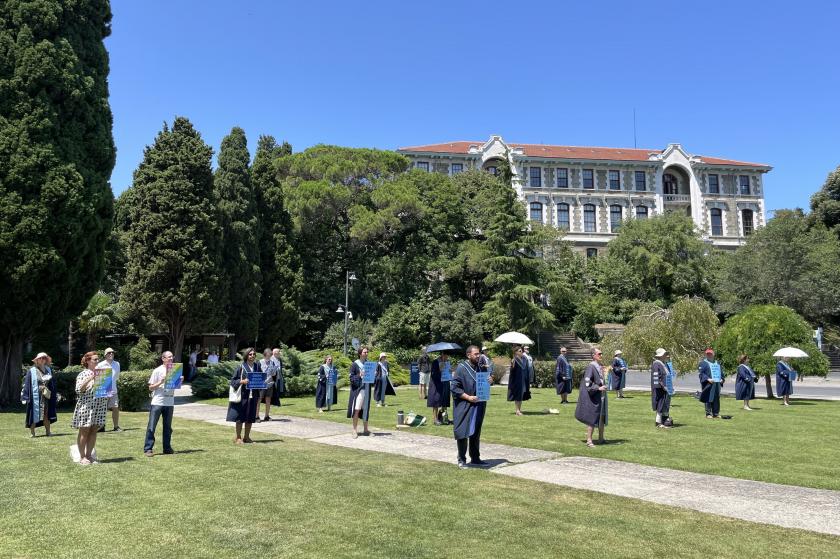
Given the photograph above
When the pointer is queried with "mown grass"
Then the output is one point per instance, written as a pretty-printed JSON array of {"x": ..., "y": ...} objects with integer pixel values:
[
  {"x": 793, "y": 446},
  {"x": 291, "y": 498}
]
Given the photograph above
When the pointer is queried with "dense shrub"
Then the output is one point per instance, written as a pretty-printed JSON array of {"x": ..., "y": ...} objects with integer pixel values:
[
  {"x": 65, "y": 385},
  {"x": 301, "y": 385},
  {"x": 544, "y": 373},
  {"x": 141, "y": 355},
  {"x": 213, "y": 381},
  {"x": 133, "y": 388}
]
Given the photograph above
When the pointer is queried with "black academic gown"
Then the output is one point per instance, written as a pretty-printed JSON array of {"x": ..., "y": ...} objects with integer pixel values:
[
  {"x": 659, "y": 397},
  {"x": 279, "y": 385},
  {"x": 705, "y": 374},
  {"x": 246, "y": 410},
  {"x": 357, "y": 374},
  {"x": 617, "y": 378},
  {"x": 745, "y": 383},
  {"x": 438, "y": 396},
  {"x": 466, "y": 415},
  {"x": 588, "y": 410},
  {"x": 784, "y": 386},
  {"x": 518, "y": 387},
  {"x": 33, "y": 416},
  {"x": 380, "y": 388},
  {"x": 563, "y": 376},
  {"x": 321, "y": 388}
]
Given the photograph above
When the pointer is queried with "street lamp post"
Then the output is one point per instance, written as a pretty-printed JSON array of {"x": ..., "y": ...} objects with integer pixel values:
[{"x": 349, "y": 276}]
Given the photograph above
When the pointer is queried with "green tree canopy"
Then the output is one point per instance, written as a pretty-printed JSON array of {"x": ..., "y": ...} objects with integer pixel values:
[
  {"x": 825, "y": 203},
  {"x": 56, "y": 157},
  {"x": 99, "y": 316}
]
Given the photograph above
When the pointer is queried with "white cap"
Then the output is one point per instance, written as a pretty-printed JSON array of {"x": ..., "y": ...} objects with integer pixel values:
[
  {"x": 660, "y": 352},
  {"x": 41, "y": 355},
  {"x": 109, "y": 350},
  {"x": 617, "y": 352},
  {"x": 383, "y": 354}
]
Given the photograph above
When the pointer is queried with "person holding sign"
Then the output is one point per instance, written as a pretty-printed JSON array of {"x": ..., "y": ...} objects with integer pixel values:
[
  {"x": 563, "y": 376},
  {"x": 711, "y": 380},
  {"x": 113, "y": 400},
  {"x": 745, "y": 382},
  {"x": 590, "y": 403},
  {"x": 382, "y": 384},
  {"x": 39, "y": 394},
  {"x": 163, "y": 403},
  {"x": 785, "y": 375},
  {"x": 470, "y": 379},
  {"x": 89, "y": 414},
  {"x": 438, "y": 397},
  {"x": 359, "y": 403},
  {"x": 518, "y": 387},
  {"x": 244, "y": 410},
  {"x": 660, "y": 400},
  {"x": 619, "y": 373},
  {"x": 326, "y": 393}
]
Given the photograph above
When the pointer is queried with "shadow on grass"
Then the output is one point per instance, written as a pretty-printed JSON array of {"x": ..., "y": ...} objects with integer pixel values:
[
  {"x": 608, "y": 442},
  {"x": 264, "y": 441},
  {"x": 190, "y": 451},
  {"x": 117, "y": 460}
]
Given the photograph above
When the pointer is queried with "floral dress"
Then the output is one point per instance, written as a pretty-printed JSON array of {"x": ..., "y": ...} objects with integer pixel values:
[{"x": 89, "y": 410}]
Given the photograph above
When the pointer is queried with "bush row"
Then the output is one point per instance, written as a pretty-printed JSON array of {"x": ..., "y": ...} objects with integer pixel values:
[{"x": 133, "y": 388}]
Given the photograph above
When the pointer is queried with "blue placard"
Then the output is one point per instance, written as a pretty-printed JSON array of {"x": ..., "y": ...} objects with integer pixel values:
[
  {"x": 332, "y": 377},
  {"x": 716, "y": 373},
  {"x": 370, "y": 372},
  {"x": 792, "y": 375},
  {"x": 669, "y": 379},
  {"x": 256, "y": 381},
  {"x": 482, "y": 386},
  {"x": 446, "y": 373}
]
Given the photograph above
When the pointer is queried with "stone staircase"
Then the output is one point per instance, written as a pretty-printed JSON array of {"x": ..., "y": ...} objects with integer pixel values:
[
  {"x": 576, "y": 349},
  {"x": 833, "y": 354}
]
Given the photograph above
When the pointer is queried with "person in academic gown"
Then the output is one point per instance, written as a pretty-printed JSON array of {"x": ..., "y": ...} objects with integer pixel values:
[
  {"x": 382, "y": 387},
  {"x": 321, "y": 388},
  {"x": 745, "y": 382},
  {"x": 40, "y": 395},
  {"x": 467, "y": 411},
  {"x": 784, "y": 383},
  {"x": 279, "y": 377},
  {"x": 244, "y": 411},
  {"x": 438, "y": 396},
  {"x": 563, "y": 376},
  {"x": 710, "y": 390},
  {"x": 359, "y": 403},
  {"x": 518, "y": 387},
  {"x": 660, "y": 400},
  {"x": 619, "y": 374},
  {"x": 589, "y": 404}
]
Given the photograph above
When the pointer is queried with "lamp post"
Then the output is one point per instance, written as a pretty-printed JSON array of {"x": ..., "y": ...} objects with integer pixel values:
[{"x": 349, "y": 276}]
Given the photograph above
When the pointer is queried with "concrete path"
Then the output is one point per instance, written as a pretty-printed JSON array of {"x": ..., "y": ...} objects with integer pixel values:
[{"x": 781, "y": 505}]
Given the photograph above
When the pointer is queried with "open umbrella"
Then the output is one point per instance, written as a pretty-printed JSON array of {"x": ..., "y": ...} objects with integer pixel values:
[
  {"x": 790, "y": 352},
  {"x": 442, "y": 346},
  {"x": 514, "y": 338}
]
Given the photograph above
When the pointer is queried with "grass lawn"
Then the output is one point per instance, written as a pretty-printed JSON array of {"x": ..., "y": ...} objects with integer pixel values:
[
  {"x": 793, "y": 446},
  {"x": 292, "y": 498}
]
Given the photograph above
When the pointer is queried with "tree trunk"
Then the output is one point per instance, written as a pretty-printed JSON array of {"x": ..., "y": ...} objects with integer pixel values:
[
  {"x": 70, "y": 333},
  {"x": 769, "y": 387},
  {"x": 11, "y": 357},
  {"x": 233, "y": 345},
  {"x": 177, "y": 330}
]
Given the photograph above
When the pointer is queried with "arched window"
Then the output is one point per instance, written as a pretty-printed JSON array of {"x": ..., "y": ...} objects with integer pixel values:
[
  {"x": 717, "y": 221},
  {"x": 641, "y": 212},
  {"x": 492, "y": 170},
  {"x": 615, "y": 218},
  {"x": 563, "y": 221},
  {"x": 669, "y": 182},
  {"x": 536, "y": 212},
  {"x": 747, "y": 222},
  {"x": 589, "y": 225}
]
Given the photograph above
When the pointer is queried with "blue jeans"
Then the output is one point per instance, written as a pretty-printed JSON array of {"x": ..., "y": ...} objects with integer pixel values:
[{"x": 154, "y": 415}]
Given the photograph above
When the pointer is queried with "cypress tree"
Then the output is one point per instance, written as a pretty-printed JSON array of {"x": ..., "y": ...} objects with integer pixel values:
[
  {"x": 56, "y": 157},
  {"x": 240, "y": 251},
  {"x": 174, "y": 239}
]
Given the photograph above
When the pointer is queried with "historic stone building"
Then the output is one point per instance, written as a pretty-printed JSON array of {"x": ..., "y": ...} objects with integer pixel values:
[{"x": 589, "y": 191}]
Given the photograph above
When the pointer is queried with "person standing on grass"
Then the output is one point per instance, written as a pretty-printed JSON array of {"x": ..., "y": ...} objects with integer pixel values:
[
  {"x": 89, "y": 414},
  {"x": 321, "y": 390},
  {"x": 39, "y": 395},
  {"x": 424, "y": 364},
  {"x": 270, "y": 369},
  {"x": 745, "y": 380},
  {"x": 162, "y": 405},
  {"x": 660, "y": 400},
  {"x": 114, "y": 400},
  {"x": 784, "y": 380},
  {"x": 467, "y": 410},
  {"x": 382, "y": 387},
  {"x": 280, "y": 379},
  {"x": 244, "y": 411},
  {"x": 710, "y": 395},
  {"x": 529, "y": 361},
  {"x": 619, "y": 373},
  {"x": 518, "y": 386},
  {"x": 439, "y": 393},
  {"x": 359, "y": 402},
  {"x": 563, "y": 376},
  {"x": 590, "y": 401}
]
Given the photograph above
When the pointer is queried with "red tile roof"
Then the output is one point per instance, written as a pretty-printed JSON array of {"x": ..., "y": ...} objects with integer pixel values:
[{"x": 571, "y": 152}]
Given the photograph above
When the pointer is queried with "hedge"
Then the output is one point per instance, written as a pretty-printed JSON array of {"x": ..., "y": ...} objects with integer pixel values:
[{"x": 132, "y": 386}]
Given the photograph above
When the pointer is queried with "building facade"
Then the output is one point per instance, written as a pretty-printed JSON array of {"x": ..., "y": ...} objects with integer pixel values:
[{"x": 590, "y": 191}]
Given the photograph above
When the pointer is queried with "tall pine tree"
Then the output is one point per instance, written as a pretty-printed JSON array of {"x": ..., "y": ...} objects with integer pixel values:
[
  {"x": 56, "y": 157},
  {"x": 240, "y": 249},
  {"x": 174, "y": 239},
  {"x": 280, "y": 264}
]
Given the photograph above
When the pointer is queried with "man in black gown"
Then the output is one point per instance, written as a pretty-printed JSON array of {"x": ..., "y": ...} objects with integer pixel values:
[{"x": 468, "y": 411}]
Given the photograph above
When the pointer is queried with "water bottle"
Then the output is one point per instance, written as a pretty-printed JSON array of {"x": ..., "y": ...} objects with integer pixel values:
[{"x": 400, "y": 418}]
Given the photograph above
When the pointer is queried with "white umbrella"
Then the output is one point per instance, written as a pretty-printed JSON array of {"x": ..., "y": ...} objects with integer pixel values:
[
  {"x": 514, "y": 338},
  {"x": 790, "y": 352}
]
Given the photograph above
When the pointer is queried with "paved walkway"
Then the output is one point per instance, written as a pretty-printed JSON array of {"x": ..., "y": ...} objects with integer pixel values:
[{"x": 782, "y": 505}]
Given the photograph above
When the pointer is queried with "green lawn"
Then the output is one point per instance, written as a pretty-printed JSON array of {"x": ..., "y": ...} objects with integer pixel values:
[
  {"x": 292, "y": 498},
  {"x": 794, "y": 445}
]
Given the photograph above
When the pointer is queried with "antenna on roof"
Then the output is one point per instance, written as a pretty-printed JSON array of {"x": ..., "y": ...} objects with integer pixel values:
[{"x": 634, "y": 127}]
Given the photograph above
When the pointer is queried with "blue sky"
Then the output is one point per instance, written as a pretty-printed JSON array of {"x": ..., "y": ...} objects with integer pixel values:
[{"x": 754, "y": 81}]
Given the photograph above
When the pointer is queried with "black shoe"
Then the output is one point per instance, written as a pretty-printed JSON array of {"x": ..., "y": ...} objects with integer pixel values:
[
  {"x": 117, "y": 430},
  {"x": 101, "y": 429},
  {"x": 266, "y": 418},
  {"x": 478, "y": 462},
  {"x": 462, "y": 464},
  {"x": 170, "y": 451}
]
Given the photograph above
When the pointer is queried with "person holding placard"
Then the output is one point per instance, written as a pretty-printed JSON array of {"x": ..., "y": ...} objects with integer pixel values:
[
  {"x": 711, "y": 380},
  {"x": 439, "y": 395},
  {"x": 745, "y": 382},
  {"x": 563, "y": 376},
  {"x": 326, "y": 393},
  {"x": 114, "y": 400},
  {"x": 39, "y": 394},
  {"x": 243, "y": 411},
  {"x": 660, "y": 400},
  {"x": 518, "y": 387},
  {"x": 267, "y": 365},
  {"x": 359, "y": 402},
  {"x": 162, "y": 405},
  {"x": 785, "y": 376},
  {"x": 89, "y": 414},
  {"x": 619, "y": 373},
  {"x": 382, "y": 385},
  {"x": 468, "y": 408},
  {"x": 279, "y": 377},
  {"x": 590, "y": 401}
]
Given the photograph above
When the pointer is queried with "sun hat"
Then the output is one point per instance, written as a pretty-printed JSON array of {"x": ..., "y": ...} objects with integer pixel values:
[
  {"x": 660, "y": 352},
  {"x": 617, "y": 352},
  {"x": 109, "y": 350},
  {"x": 41, "y": 355},
  {"x": 383, "y": 354}
]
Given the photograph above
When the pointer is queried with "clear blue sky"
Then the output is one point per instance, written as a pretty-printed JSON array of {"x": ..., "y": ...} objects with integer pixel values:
[{"x": 754, "y": 81}]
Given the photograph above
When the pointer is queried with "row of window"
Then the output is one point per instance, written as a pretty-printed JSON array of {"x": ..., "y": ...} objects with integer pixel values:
[
  {"x": 716, "y": 215},
  {"x": 454, "y": 168},
  {"x": 588, "y": 178},
  {"x": 743, "y": 184}
]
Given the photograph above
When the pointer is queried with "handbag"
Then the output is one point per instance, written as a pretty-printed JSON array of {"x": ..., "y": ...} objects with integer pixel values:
[{"x": 235, "y": 396}]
